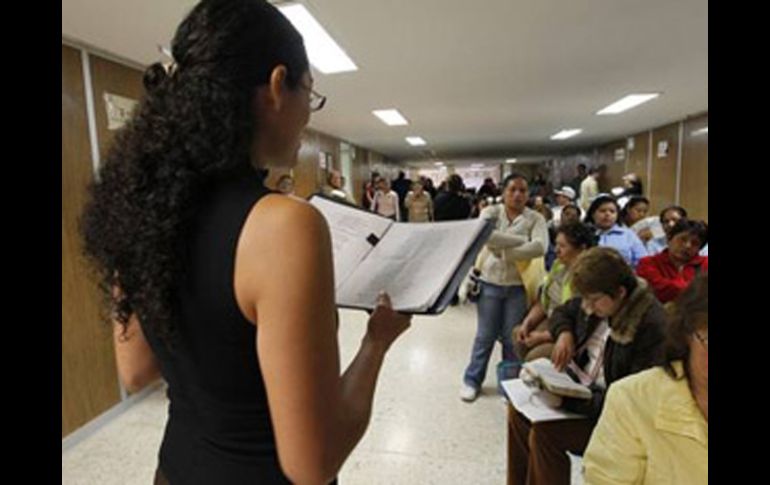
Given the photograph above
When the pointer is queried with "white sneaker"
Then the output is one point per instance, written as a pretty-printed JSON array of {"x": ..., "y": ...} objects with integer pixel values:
[{"x": 468, "y": 393}]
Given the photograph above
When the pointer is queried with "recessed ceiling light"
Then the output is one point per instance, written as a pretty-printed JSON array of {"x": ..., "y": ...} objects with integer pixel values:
[
  {"x": 564, "y": 134},
  {"x": 415, "y": 141},
  {"x": 630, "y": 101},
  {"x": 322, "y": 51},
  {"x": 511, "y": 160},
  {"x": 390, "y": 117}
]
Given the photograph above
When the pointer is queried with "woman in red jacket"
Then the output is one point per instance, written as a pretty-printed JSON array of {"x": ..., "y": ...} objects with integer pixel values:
[{"x": 671, "y": 271}]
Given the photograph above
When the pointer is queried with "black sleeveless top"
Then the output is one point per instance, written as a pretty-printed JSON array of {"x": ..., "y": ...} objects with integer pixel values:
[{"x": 219, "y": 429}]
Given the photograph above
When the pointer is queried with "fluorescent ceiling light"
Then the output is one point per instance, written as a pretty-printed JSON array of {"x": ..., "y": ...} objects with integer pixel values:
[
  {"x": 415, "y": 141},
  {"x": 322, "y": 51},
  {"x": 439, "y": 164},
  {"x": 702, "y": 131},
  {"x": 390, "y": 117},
  {"x": 564, "y": 134},
  {"x": 477, "y": 165},
  {"x": 511, "y": 160},
  {"x": 630, "y": 101}
]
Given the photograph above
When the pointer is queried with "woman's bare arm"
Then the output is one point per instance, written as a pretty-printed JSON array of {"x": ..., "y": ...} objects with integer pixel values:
[
  {"x": 284, "y": 282},
  {"x": 136, "y": 362}
]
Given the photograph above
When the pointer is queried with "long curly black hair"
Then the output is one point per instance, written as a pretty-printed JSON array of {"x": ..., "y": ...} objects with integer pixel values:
[{"x": 195, "y": 123}]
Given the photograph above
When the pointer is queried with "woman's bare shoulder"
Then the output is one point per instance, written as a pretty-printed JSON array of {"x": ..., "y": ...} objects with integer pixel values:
[{"x": 278, "y": 216}]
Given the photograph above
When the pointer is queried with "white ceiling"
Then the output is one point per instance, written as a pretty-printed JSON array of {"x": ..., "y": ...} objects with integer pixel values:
[{"x": 484, "y": 78}]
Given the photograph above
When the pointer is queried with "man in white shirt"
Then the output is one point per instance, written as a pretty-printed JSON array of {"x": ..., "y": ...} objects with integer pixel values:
[
  {"x": 589, "y": 188},
  {"x": 564, "y": 197}
]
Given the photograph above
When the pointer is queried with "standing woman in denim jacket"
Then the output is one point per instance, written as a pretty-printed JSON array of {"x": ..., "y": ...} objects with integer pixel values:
[
  {"x": 603, "y": 215},
  {"x": 520, "y": 235}
]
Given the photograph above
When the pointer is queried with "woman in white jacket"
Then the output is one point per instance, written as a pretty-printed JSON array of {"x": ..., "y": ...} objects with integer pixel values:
[{"x": 521, "y": 235}]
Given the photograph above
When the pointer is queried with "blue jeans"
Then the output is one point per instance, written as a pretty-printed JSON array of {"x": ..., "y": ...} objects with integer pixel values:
[{"x": 500, "y": 308}]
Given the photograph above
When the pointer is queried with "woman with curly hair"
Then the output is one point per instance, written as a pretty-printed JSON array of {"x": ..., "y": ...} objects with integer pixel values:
[{"x": 222, "y": 286}]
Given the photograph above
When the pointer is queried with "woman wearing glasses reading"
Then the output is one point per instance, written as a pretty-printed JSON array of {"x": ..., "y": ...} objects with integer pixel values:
[
  {"x": 222, "y": 286},
  {"x": 613, "y": 329},
  {"x": 654, "y": 427}
]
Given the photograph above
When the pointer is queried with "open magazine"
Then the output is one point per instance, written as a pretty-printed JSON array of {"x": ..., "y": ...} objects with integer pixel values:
[
  {"x": 651, "y": 223},
  {"x": 541, "y": 373},
  {"x": 420, "y": 265}
]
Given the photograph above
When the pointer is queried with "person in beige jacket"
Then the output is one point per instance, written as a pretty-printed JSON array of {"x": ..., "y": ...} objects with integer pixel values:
[
  {"x": 654, "y": 425},
  {"x": 419, "y": 204}
]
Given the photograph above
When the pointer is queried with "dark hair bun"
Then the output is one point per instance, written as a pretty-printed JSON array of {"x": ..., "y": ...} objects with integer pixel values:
[{"x": 154, "y": 76}]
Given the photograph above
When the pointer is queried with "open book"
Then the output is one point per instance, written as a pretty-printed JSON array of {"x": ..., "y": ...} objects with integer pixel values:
[
  {"x": 651, "y": 223},
  {"x": 541, "y": 372},
  {"x": 420, "y": 265},
  {"x": 534, "y": 404}
]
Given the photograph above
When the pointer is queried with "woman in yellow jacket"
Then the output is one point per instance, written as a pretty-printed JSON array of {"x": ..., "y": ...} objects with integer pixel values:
[{"x": 654, "y": 426}]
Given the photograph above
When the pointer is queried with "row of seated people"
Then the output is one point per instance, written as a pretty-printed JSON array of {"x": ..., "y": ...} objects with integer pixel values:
[
  {"x": 612, "y": 328},
  {"x": 617, "y": 226},
  {"x": 667, "y": 274}
]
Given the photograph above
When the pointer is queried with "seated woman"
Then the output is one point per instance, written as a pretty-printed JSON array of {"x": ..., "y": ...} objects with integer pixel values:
[
  {"x": 633, "y": 211},
  {"x": 532, "y": 339},
  {"x": 603, "y": 214},
  {"x": 654, "y": 427},
  {"x": 570, "y": 213},
  {"x": 614, "y": 329},
  {"x": 668, "y": 217},
  {"x": 671, "y": 271}
]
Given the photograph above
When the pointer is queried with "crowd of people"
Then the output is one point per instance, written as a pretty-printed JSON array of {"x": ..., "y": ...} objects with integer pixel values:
[
  {"x": 603, "y": 309},
  {"x": 212, "y": 276}
]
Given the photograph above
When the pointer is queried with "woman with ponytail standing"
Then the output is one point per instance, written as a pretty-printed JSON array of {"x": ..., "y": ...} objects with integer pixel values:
[{"x": 222, "y": 286}]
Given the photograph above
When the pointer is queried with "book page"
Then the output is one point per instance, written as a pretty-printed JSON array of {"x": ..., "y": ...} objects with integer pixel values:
[
  {"x": 555, "y": 381},
  {"x": 528, "y": 402},
  {"x": 350, "y": 229},
  {"x": 413, "y": 263},
  {"x": 651, "y": 223}
]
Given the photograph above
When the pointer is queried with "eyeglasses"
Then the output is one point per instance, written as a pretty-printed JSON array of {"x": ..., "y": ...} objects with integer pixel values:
[
  {"x": 317, "y": 101},
  {"x": 703, "y": 340}
]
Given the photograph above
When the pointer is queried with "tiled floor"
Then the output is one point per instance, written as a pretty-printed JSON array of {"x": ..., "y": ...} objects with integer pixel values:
[{"x": 420, "y": 432}]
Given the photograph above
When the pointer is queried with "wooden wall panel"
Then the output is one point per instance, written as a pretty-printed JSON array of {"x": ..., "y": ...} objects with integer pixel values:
[
  {"x": 306, "y": 172},
  {"x": 663, "y": 181},
  {"x": 309, "y": 177},
  {"x": 637, "y": 159},
  {"x": 694, "y": 190},
  {"x": 113, "y": 78},
  {"x": 360, "y": 173},
  {"x": 89, "y": 374},
  {"x": 615, "y": 168}
]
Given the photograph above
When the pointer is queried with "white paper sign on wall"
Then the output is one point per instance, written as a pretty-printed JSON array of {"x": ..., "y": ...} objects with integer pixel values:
[
  {"x": 620, "y": 155},
  {"x": 662, "y": 149},
  {"x": 119, "y": 110}
]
